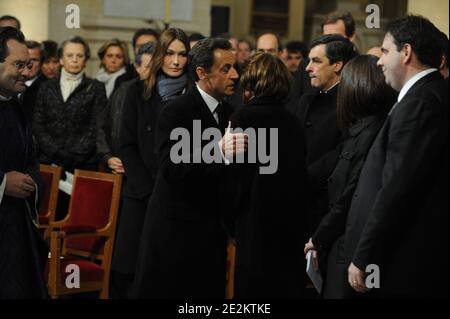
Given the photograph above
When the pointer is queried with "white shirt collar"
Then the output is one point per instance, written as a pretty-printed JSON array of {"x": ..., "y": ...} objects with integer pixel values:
[
  {"x": 31, "y": 81},
  {"x": 2, "y": 98},
  {"x": 209, "y": 100},
  {"x": 326, "y": 91},
  {"x": 409, "y": 84}
]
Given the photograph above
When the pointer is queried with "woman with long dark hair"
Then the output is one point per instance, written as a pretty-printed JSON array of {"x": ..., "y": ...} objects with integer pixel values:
[
  {"x": 363, "y": 102},
  {"x": 144, "y": 100}
]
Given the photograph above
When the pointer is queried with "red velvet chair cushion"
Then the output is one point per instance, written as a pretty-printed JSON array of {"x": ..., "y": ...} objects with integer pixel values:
[
  {"x": 91, "y": 202},
  {"x": 91, "y": 244},
  {"x": 43, "y": 220},
  {"x": 89, "y": 271},
  {"x": 90, "y": 206}
]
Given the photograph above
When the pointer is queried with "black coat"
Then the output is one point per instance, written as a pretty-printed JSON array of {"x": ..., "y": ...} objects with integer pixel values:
[
  {"x": 183, "y": 246},
  {"x": 23, "y": 252},
  {"x": 137, "y": 141},
  {"x": 329, "y": 236},
  {"x": 137, "y": 151},
  {"x": 130, "y": 74},
  {"x": 66, "y": 131},
  {"x": 317, "y": 114},
  {"x": 271, "y": 209},
  {"x": 108, "y": 134},
  {"x": 398, "y": 219}
]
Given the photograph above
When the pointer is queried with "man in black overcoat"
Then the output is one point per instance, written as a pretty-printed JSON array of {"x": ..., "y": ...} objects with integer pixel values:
[
  {"x": 183, "y": 246},
  {"x": 317, "y": 113},
  {"x": 398, "y": 220},
  {"x": 22, "y": 250}
]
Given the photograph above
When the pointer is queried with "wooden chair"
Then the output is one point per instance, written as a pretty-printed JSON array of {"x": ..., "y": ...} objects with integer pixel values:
[
  {"x": 47, "y": 207},
  {"x": 85, "y": 238},
  {"x": 231, "y": 265}
]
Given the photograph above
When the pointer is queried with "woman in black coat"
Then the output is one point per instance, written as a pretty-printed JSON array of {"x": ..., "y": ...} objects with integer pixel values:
[
  {"x": 66, "y": 116},
  {"x": 144, "y": 100},
  {"x": 67, "y": 112},
  {"x": 364, "y": 100},
  {"x": 270, "y": 207}
]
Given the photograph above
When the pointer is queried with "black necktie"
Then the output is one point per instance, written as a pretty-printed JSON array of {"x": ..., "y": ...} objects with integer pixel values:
[{"x": 220, "y": 114}]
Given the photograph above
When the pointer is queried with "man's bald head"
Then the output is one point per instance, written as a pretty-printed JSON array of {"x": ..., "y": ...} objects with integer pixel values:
[{"x": 269, "y": 43}]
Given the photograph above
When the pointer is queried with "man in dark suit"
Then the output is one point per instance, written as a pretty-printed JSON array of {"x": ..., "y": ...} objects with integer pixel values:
[
  {"x": 183, "y": 246},
  {"x": 317, "y": 113},
  {"x": 398, "y": 219},
  {"x": 334, "y": 23}
]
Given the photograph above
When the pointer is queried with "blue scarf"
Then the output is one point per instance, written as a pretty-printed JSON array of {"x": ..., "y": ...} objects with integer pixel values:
[{"x": 169, "y": 88}]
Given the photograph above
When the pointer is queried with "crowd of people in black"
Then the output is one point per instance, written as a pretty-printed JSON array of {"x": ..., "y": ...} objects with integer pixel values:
[{"x": 362, "y": 159}]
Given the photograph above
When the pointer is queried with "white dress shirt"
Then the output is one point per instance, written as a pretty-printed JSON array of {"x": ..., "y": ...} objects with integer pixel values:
[{"x": 211, "y": 102}]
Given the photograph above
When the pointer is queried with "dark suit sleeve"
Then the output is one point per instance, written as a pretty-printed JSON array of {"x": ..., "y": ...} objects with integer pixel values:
[
  {"x": 418, "y": 133},
  {"x": 170, "y": 119},
  {"x": 137, "y": 173}
]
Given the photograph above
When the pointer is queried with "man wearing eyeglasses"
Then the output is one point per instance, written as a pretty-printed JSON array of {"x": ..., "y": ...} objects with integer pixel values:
[{"x": 22, "y": 250}]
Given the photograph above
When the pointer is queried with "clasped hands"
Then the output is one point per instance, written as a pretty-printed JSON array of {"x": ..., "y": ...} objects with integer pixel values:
[{"x": 19, "y": 185}]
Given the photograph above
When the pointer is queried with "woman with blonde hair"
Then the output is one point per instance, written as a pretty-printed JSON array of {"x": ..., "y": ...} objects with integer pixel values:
[
  {"x": 114, "y": 60},
  {"x": 144, "y": 100},
  {"x": 270, "y": 209}
]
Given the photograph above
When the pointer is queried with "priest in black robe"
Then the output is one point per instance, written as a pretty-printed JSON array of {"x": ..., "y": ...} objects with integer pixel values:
[{"x": 22, "y": 250}]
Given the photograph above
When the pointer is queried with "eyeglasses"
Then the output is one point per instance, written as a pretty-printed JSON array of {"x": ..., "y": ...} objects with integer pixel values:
[{"x": 21, "y": 65}]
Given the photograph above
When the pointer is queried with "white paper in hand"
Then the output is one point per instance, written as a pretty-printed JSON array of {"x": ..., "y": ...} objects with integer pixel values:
[{"x": 314, "y": 275}]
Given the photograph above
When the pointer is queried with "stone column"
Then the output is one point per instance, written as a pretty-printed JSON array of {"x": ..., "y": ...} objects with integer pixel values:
[
  {"x": 435, "y": 10},
  {"x": 33, "y": 16}
]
